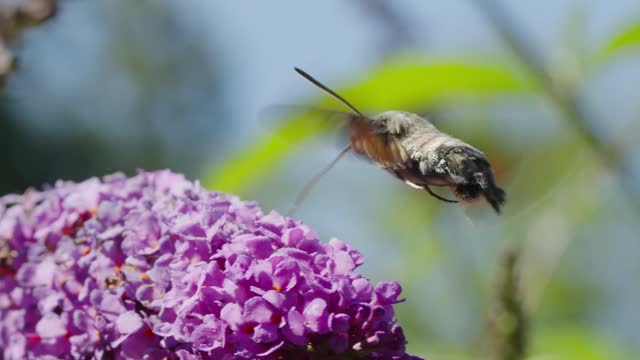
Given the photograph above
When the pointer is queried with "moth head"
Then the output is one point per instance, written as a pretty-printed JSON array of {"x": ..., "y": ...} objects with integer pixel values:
[
  {"x": 473, "y": 177},
  {"x": 467, "y": 192}
]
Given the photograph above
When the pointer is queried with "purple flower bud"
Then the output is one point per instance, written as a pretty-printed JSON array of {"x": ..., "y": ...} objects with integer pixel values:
[
  {"x": 339, "y": 323},
  {"x": 128, "y": 322},
  {"x": 154, "y": 266},
  {"x": 232, "y": 315},
  {"x": 317, "y": 316},
  {"x": 265, "y": 333},
  {"x": 258, "y": 310},
  {"x": 387, "y": 292},
  {"x": 50, "y": 326}
]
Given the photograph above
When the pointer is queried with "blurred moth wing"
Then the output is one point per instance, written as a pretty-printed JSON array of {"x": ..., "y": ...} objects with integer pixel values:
[
  {"x": 310, "y": 119},
  {"x": 365, "y": 138}
]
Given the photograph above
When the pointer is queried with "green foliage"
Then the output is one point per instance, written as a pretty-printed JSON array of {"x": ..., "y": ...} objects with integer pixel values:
[
  {"x": 561, "y": 159},
  {"x": 629, "y": 37},
  {"x": 408, "y": 84},
  {"x": 576, "y": 343}
]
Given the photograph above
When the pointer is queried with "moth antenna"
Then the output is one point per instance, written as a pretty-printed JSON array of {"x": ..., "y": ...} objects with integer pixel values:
[
  {"x": 317, "y": 83},
  {"x": 314, "y": 180}
]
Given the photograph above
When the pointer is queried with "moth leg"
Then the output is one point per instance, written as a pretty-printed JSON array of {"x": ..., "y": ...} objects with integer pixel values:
[{"x": 426, "y": 187}]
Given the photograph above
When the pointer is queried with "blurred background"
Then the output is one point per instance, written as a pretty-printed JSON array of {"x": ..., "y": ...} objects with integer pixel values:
[{"x": 549, "y": 90}]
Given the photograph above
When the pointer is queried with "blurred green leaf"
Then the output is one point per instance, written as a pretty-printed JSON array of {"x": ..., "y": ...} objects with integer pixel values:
[
  {"x": 411, "y": 85},
  {"x": 625, "y": 39},
  {"x": 544, "y": 172},
  {"x": 576, "y": 343}
]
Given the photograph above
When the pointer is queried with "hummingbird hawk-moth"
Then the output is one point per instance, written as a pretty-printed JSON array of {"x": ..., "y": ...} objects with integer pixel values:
[{"x": 412, "y": 149}]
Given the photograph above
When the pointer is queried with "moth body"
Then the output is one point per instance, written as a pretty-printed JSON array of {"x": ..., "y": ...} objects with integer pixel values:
[
  {"x": 416, "y": 152},
  {"x": 412, "y": 149}
]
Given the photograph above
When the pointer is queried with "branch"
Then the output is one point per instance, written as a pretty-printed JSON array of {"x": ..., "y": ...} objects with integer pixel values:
[
  {"x": 565, "y": 99},
  {"x": 507, "y": 335},
  {"x": 15, "y": 16}
]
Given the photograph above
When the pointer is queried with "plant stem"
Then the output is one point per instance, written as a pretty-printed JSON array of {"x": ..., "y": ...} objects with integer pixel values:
[
  {"x": 573, "y": 111},
  {"x": 507, "y": 338}
]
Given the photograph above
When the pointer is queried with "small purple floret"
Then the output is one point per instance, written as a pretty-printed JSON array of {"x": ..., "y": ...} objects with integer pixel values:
[{"x": 154, "y": 266}]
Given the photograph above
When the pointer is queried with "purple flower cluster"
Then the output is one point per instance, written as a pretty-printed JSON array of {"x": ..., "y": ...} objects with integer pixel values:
[{"x": 155, "y": 267}]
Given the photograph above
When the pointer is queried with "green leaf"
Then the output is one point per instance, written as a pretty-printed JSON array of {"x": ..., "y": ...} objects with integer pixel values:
[
  {"x": 627, "y": 38},
  {"x": 406, "y": 84},
  {"x": 574, "y": 342}
]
